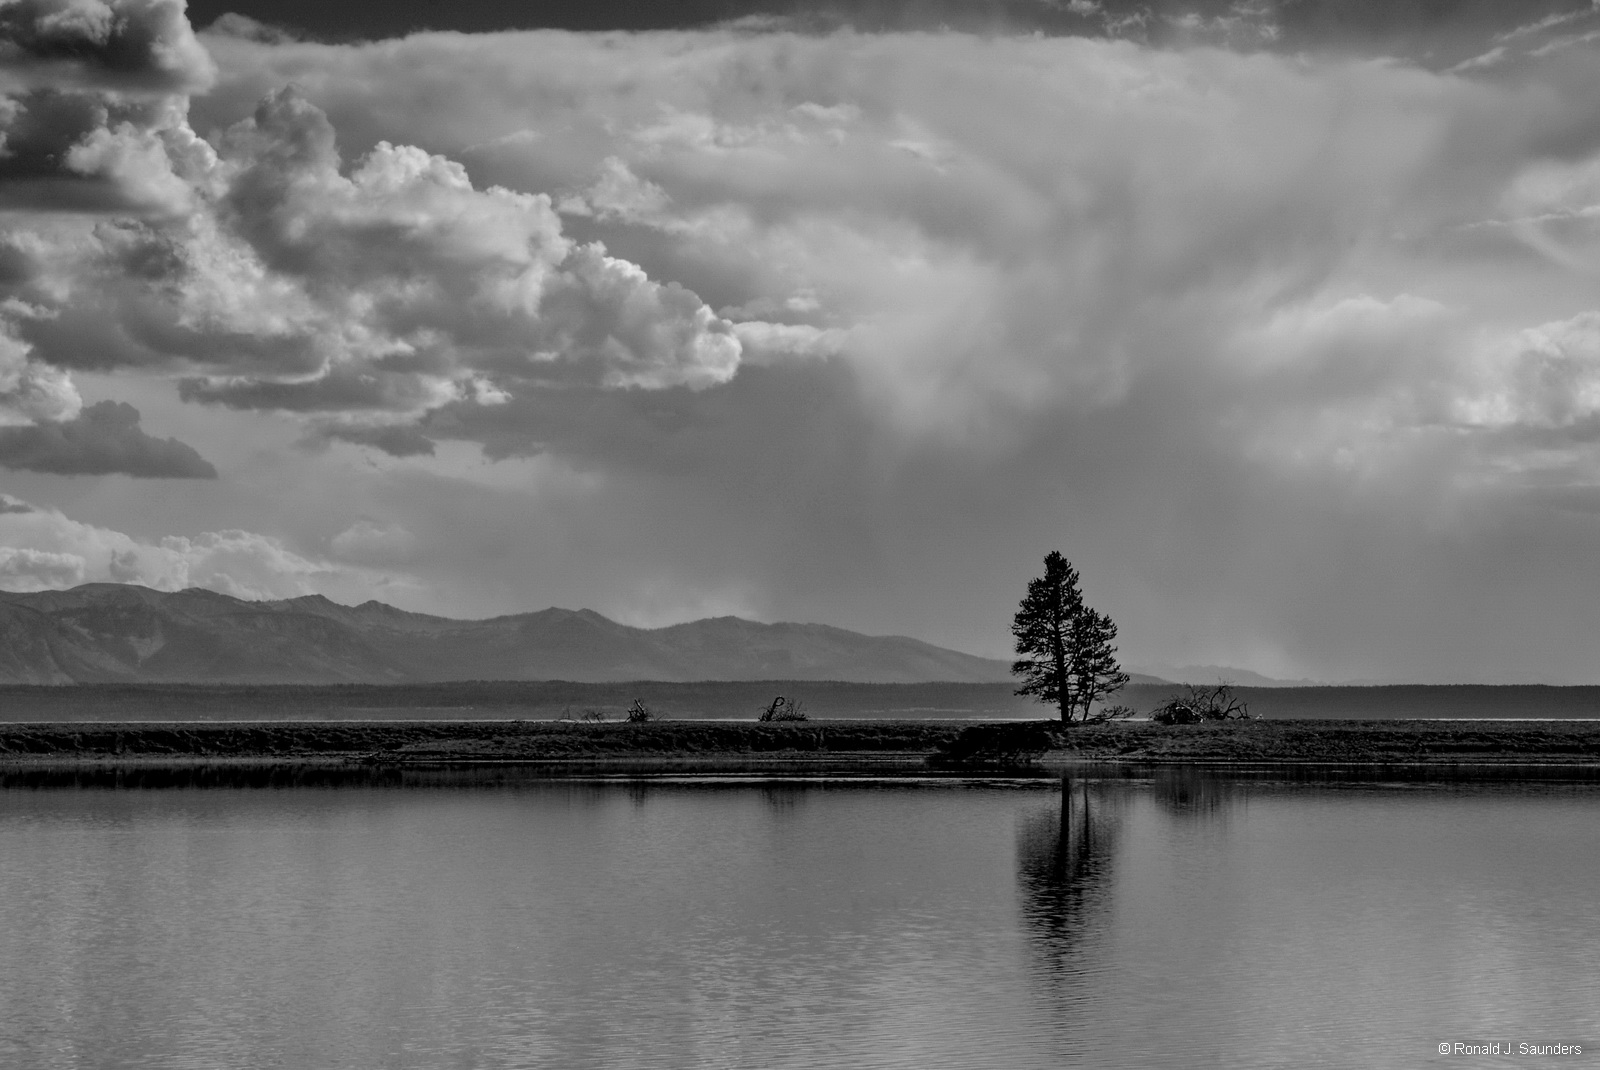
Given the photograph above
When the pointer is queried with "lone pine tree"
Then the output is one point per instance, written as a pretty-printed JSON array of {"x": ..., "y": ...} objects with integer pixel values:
[{"x": 1064, "y": 651}]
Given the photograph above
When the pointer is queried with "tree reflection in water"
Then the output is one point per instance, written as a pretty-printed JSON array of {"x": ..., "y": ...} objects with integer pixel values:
[
  {"x": 1064, "y": 858},
  {"x": 1067, "y": 861}
]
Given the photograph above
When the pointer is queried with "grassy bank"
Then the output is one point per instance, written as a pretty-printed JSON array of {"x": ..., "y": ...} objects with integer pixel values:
[
  {"x": 1388, "y": 742},
  {"x": 471, "y": 700},
  {"x": 454, "y": 741},
  {"x": 418, "y": 741}
]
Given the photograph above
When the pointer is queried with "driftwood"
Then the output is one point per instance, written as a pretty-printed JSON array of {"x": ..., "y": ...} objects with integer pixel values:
[
  {"x": 1202, "y": 703},
  {"x": 783, "y": 709}
]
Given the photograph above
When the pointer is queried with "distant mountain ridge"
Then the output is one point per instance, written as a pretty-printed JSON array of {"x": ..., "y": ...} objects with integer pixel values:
[
  {"x": 108, "y": 632},
  {"x": 1211, "y": 674}
]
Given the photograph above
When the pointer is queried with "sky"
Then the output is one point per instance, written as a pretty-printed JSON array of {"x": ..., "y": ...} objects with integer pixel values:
[{"x": 1279, "y": 319}]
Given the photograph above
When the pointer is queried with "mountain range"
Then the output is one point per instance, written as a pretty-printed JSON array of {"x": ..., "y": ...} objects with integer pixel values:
[
  {"x": 1211, "y": 674},
  {"x": 108, "y": 632}
]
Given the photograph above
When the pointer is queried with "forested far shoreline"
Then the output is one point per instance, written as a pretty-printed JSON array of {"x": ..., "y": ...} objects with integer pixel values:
[{"x": 556, "y": 699}]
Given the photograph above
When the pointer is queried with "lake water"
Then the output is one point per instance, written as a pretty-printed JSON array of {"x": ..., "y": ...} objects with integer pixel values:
[{"x": 1179, "y": 919}]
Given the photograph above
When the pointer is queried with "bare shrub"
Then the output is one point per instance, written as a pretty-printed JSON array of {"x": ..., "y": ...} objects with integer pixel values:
[
  {"x": 593, "y": 715},
  {"x": 639, "y": 713}
]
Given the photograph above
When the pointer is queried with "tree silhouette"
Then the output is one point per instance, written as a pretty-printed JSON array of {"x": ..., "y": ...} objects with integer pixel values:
[{"x": 1064, "y": 651}]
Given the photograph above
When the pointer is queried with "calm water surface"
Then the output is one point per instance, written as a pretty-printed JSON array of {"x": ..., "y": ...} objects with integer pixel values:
[{"x": 1184, "y": 919}]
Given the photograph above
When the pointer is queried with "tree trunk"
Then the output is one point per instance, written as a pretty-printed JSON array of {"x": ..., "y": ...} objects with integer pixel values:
[{"x": 1060, "y": 653}]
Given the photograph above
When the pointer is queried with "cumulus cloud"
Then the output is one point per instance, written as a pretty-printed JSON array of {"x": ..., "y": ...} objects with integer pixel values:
[
  {"x": 41, "y": 548},
  {"x": 23, "y": 569},
  {"x": 102, "y": 439},
  {"x": 92, "y": 120},
  {"x": 440, "y": 291},
  {"x": 359, "y": 295},
  {"x": 92, "y": 104},
  {"x": 32, "y": 389}
]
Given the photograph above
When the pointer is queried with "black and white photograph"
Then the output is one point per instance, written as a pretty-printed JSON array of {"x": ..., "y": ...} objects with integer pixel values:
[{"x": 799, "y": 534}]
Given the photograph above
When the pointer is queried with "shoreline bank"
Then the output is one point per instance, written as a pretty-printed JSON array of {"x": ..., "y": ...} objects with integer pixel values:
[
  {"x": 416, "y": 741},
  {"x": 838, "y": 743}
]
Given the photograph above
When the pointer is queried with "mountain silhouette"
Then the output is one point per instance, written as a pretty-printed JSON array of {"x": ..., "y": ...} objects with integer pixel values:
[{"x": 109, "y": 632}]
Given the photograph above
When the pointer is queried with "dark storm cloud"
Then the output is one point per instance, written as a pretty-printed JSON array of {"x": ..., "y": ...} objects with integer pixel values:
[
  {"x": 104, "y": 438},
  {"x": 1437, "y": 33}
]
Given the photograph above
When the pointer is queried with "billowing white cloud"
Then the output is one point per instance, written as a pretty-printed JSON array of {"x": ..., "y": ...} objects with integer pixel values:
[
  {"x": 25, "y": 569},
  {"x": 32, "y": 390},
  {"x": 271, "y": 275},
  {"x": 1545, "y": 379},
  {"x": 384, "y": 291},
  {"x": 43, "y": 549}
]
